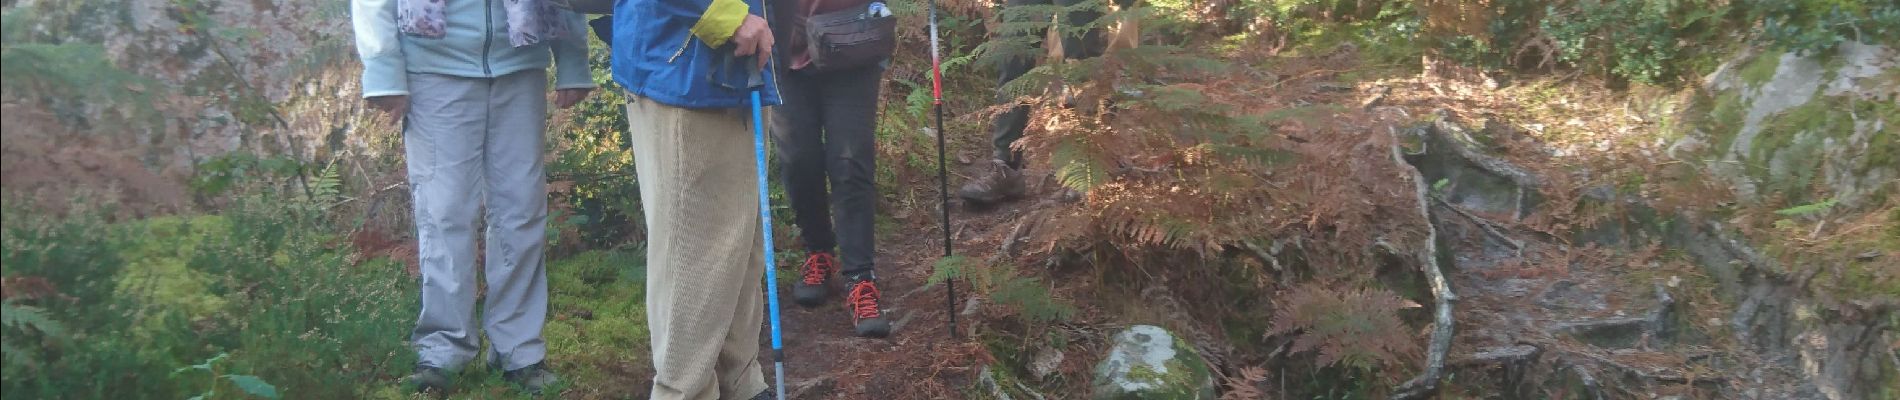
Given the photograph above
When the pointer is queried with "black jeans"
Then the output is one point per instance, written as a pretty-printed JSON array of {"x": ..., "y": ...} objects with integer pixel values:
[
  {"x": 826, "y": 133},
  {"x": 1009, "y": 125}
]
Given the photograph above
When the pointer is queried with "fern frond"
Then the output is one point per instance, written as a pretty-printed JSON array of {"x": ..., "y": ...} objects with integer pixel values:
[
  {"x": 947, "y": 268},
  {"x": 1028, "y": 295},
  {"x": 1076, "y": 167},
  {"x": 16, "y": 356},
  {"x": 1033, "y": 82},
  {"x": 22, "y": 318},
  {"x": 1359, "y": 328}
]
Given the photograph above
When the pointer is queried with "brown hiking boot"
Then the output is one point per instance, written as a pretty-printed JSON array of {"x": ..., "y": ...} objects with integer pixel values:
[
  {"x": 810, "y": 291},
  {"x": 866, "y": 317},
  {"x": 999, "y": 183}
]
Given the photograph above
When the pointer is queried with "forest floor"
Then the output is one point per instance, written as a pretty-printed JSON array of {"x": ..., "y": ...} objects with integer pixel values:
[{"x": 1571, "y": 131}]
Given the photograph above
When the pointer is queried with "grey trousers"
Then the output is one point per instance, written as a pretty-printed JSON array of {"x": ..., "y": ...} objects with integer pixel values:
[
  {"x": 475, "y": 144},
  {"x": 826, "y": 134},
  {"x": 705, "y": 256}
]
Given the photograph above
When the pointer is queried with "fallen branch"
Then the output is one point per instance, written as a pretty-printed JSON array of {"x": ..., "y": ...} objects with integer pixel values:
[
  {"x": 1265, "y": 256},
  {"x": 1016, "y": 236},
  {"x": 1521, "y": 353},
  {"x": 1440, "y": 346}
]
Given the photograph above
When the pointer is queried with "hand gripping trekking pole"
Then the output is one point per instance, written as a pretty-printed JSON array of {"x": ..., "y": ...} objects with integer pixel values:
[{"x": 943, "y": 178}]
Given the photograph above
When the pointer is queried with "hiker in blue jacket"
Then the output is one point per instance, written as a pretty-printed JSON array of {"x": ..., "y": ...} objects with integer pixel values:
[
  {"x": 693, "y": 154},
  {"x": 469, "y": 81}
]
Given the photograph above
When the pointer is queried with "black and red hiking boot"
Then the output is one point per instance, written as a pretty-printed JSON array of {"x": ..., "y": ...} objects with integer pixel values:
[
  {"x": 811, "y": 289},
  {"x": 866, "y": 316}
]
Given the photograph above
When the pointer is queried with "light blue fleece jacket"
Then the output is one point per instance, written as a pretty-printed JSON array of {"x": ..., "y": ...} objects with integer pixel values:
[{"x": 474, "y": 46}]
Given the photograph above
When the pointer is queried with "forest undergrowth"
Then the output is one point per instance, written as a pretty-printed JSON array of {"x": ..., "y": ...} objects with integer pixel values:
[{"x": 189, "y": 215}]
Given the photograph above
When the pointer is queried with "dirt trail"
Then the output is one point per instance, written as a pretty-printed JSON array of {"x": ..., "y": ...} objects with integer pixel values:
[{"x": 919, "y": 360}]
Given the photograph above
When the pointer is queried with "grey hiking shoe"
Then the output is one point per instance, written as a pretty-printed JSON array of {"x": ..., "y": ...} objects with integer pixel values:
[
  {"x": 765, "y": 395},
  {"x": 814, "y": 278},
  {"x": 532, "y": 378},
  {"x": 866, "y": 315},
  {"x": 1000, "y": 182},
  {"x": 427, "y": 379}
]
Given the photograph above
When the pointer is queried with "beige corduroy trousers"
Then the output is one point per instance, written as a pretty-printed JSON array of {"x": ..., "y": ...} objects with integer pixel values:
[{"x": 705, "y": 265}]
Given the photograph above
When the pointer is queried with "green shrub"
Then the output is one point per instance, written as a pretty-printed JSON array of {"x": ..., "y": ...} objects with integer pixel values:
[
  {"x": 1813, "y": 26},
  {"x": 1633, "y": 39},
  {"x": 595, "y": 157},
  {"x": 1659, "y": 42},
  {"x": 267, "y": 282},
  {"x": 77, "y": 256}
]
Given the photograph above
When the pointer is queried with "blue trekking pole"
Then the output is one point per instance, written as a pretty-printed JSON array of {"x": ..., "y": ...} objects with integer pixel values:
[
  {"x": 755, "y": 82},
  {"x": 765, "y": 218}
]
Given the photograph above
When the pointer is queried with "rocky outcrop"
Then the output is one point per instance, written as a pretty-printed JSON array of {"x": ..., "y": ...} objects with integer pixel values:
[
  {"x": 1777, "y": 124},
  {"x": 1800, "y": 347}
]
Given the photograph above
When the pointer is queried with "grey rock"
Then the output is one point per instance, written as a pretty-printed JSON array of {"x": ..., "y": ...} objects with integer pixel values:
[
  {"x": 1045, "y": 363},
  {"x": 1150, "y": 363}
]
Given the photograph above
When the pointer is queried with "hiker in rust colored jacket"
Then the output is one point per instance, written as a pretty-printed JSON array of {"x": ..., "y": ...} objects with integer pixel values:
[{"x": 826, "y": 134}]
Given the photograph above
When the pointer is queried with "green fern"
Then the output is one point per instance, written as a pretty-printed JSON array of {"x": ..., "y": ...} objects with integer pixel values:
[
  {"x": 21, "y": 322},
  {"x": 327, "y": 185},
  {"x": 1027, "y": 294},
  {"x": 1076, "y": 167},
  {"x": 1006, "y": 286},
  {"x": 948, "y": 268},
  {"x": 29, "y": 318}
]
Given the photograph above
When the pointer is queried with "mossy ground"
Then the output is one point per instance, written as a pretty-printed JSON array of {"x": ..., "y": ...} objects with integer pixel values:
[{"x": 595, "y": 334}]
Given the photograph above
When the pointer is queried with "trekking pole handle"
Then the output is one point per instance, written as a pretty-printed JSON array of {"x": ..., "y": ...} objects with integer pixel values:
[{"x": 736, "y": 72}]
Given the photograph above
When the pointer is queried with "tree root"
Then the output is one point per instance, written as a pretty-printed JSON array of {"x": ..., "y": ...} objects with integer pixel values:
[
  {"x": 1648, "y": 375},
  {"x": 1488, "y": 226},
  {"x": 1590, "y": 385},
  {"x": 1457, "y": 136},
  {"x": 1426, "y": 382},
  {"x": 1457, "y": 140}
]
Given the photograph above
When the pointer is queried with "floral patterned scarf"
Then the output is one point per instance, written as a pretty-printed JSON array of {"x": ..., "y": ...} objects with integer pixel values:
[{"x": 529, "y": 21}]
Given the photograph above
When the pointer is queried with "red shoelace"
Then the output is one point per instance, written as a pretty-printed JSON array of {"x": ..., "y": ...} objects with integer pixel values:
[
  {"x": 863, "y": 300},
  {"x": 818, "y": 266}
]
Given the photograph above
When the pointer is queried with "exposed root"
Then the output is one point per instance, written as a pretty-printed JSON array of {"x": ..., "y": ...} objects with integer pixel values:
[
  {"x": 1649, "y": 375},
  {"x": 1427, "y": 380},
  {"x": 1032, "y": 393},
  {"x": 1457, "y": 136},
  {"x": 1588, "y": 381},
  {"x": 1488, "y": 226},
  {"x": 1266, "y": 257},
  {"x": 1017, "y": 236}
]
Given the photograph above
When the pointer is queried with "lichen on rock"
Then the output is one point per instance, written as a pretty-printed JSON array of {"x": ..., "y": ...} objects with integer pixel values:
[
  {"x": 1149, "y": 363},
  {"x": 1783, "y": 125}
]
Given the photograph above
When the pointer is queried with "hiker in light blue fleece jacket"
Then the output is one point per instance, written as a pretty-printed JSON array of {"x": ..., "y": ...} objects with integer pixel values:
[{"x": 469, "y": 80}]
